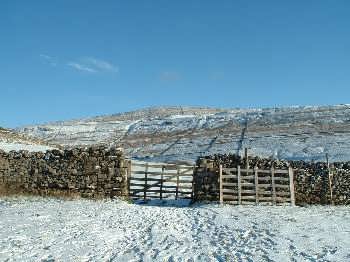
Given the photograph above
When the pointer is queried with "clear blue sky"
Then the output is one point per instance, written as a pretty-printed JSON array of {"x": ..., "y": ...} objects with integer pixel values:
[{"x": 71, "y": 59}]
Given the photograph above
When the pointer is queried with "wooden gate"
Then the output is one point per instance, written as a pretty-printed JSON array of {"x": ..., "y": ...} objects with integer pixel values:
[
  {"x": 253, "y": 186},
  {"x": 160, "y": 181}
]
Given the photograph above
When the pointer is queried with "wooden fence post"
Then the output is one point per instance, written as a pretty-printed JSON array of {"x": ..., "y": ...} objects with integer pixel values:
[
  {"x": 161, "y": 184},
  {"x": 273, "y": 185},
  {"x": 193, "y": 177},
  {"x": 221, "y": 186},
  {"x": 128, "y": 176},
  {"x": 256, "y": 185},
  {"x": 330, "y": 176},
  {"x": 177, "y": 182},
  {"x": 291, "y": 186},
  {"x": 145, "y": 186},
  {"x": 239, "y": 185},
  {"x": 246, "y": 159}
]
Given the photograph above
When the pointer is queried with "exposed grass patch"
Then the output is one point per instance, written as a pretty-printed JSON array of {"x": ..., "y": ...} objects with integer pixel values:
[{"x": 17, "y": 192}]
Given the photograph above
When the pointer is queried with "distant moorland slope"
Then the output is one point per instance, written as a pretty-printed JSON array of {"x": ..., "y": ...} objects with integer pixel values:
[{"x": 184, "y": 133}]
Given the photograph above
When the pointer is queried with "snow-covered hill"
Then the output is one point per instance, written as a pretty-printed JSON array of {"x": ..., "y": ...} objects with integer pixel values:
[
  {"x": 183, "y": 133},
  {"x": 10, "y": 140}
]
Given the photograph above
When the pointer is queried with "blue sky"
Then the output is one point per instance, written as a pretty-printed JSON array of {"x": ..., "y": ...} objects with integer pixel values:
[{"x": 70, "y": 59}]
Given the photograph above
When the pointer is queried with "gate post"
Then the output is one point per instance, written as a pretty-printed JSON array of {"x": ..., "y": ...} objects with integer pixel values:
[
  {"x": 177, "y": 182},
  {"x": 239, "y": 185},
  {"x": 193, "y": 177},
  {"x": 161, "y": 184},
  {"x": 273, "y": 184},
  {"x": 221, "y": 186},
  {"x": 291, "y": 186},
  {"x": 127, "y": 179},
  {"x": 256, "y": 180},
  {"x": 145, "y": 185}
]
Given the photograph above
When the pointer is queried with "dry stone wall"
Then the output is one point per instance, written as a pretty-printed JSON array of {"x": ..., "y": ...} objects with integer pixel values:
[
  {"x": 102, "y": 172},
  {"x": 86, "y": 172},
  {"x": 206, "y": 181},
  {"x": 311, "y": 180}
]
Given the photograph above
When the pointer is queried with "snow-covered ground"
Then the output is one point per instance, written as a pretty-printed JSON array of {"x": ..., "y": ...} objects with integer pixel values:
[{"x": 44, "y": 229}]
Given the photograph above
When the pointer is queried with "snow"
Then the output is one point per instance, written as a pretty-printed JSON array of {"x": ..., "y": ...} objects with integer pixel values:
[
  {"x": 182, "y": 116},
  {"x": 7, "y": 146},
  {"x": 306, "y": 133},
  {"x": 45, "y": 229}
]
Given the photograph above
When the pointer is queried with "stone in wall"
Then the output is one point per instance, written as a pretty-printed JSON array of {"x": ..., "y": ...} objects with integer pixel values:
[
  {"x": 206, "y": 186},
  {"x": 89, "y": 172}
]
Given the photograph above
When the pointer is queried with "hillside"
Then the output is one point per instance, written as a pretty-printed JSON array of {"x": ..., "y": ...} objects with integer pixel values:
[
  {"x": 183, "y": 133},
  {"x": 10, "y": 140}
]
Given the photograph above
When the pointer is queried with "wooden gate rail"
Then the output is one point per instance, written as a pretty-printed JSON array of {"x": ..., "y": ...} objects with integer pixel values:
[
  {"x": 171, "y": 179},
  {"x": 247, "y": 186}
]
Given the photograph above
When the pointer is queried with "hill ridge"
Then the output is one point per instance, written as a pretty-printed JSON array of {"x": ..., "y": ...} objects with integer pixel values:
[{"x": 184, "y": 133}]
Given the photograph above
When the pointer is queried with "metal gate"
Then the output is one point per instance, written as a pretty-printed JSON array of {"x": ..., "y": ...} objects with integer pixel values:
[{"x": 160, "y": 181}]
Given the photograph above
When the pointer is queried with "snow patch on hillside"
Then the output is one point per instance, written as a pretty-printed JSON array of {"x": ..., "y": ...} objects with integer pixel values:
[{"x": 19, "y": 146}]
